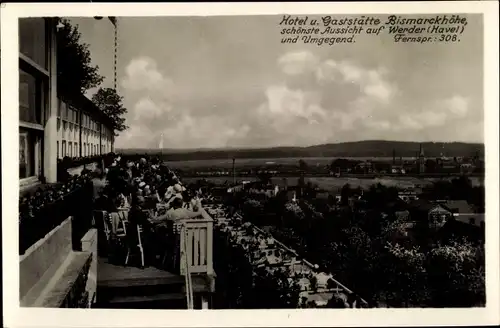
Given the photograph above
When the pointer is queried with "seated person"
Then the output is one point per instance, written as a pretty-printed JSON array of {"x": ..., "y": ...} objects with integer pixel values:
[
  {"x": 123, "y": 201},
  {"x": 176, "y": 213},
  {"x": 192, "y": 203},
  {"x": 176, "y": 194},
  {"x": 173, "y": 190},
  {"x": 137, "y": 214}
]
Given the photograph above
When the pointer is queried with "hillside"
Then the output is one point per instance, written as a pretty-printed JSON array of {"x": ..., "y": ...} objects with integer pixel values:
[{"x": 371, "y": 148}]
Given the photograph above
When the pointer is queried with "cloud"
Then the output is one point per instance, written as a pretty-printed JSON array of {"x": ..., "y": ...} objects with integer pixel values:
[
  {"x": 155, "y": 112},
  {"x": 142, "y": 74},
  {"x": 456, "y": 105},
  {"x": 206, "y": 132},
  {"x": 311, "y": 101},
  {"x": 298, "y": 63},
  {"x": 337, "y": 96}
]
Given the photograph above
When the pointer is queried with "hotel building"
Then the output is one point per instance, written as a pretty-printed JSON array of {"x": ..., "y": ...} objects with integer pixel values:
[{"x": 50, "y": 125}]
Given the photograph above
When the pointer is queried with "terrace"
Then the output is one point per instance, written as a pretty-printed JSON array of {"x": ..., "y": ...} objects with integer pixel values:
[
  {"x": 191, "y": 287},
  {"x": 65, "y": 259}
]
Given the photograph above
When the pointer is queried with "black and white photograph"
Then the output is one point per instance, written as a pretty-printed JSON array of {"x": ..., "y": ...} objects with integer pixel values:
[{"x": 279, "y": 161}]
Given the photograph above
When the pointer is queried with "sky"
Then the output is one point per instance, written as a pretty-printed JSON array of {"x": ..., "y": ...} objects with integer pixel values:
[{"x": 228, "y": 81}]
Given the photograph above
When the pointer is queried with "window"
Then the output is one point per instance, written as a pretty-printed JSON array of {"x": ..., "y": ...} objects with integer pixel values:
[
  {"x": 63, "y": 148},
  {"x": 65, "y": 130},
  {"x": 57, "y": 147},
  {"x": 62, "y": 110},
  {"x": 33, "y": 94},
  {"x": 59, "y": 106},
  {"x": 30, "y": 108},
  {"x": 66, "y": 113},
  {"x": 84, "y": 149},
  {"x": 33, "y": 40},
  {"x": 70, "y": 149},
  {"x": 76, "y": 150},
  {"x": 29, "y": 159}
]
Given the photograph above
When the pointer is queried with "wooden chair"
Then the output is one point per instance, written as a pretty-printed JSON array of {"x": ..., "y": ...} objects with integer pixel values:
[
  {"x": 113, "y": 240},
  {"x": 123, "y": 220},
  {"x": 101, "y": 220},
  {"x": 136, "y": 244},
  {"x": 172, "y": 246}
]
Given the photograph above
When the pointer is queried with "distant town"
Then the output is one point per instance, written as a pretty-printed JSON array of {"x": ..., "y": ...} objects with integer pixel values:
[{"x": 422, "y": 164}]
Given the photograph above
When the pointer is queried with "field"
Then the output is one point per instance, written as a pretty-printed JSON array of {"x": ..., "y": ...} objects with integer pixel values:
[
  {"x": 254, "y": 162},
  {"x": 330, "y": 184},
  {"x": 325, "y": 183}
]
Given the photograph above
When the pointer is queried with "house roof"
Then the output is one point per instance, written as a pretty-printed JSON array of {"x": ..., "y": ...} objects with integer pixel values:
[
  {"x": 421, "y": 205},
  {"x": 458, "y": 206},
  {"x": 477, "y": 218}
]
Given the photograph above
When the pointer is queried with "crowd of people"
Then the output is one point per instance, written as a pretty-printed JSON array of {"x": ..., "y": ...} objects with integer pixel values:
[{"x": 151, "y": 197}]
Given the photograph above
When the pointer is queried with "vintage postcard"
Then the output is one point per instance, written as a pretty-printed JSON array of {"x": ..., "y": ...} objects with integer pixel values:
[{"x": 292, "y": 164}]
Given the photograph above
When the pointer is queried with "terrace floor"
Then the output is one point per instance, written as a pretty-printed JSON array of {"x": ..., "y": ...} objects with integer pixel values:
[
  {"x": 112, "y": 275},
  {"x": 121, "y": 286}
]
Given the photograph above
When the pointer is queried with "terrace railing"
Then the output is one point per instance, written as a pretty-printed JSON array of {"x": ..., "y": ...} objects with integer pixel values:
[
  {"x": 197, "y": 246},
  {"x": 187, "y": 275}
]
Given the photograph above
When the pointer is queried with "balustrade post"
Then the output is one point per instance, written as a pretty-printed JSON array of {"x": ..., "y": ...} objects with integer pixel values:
[
  {"x": 183, "y": 250},
  {"x": 209, "y": 241}
]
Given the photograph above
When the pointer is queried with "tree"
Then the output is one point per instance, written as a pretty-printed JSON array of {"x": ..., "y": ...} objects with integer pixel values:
[
  {"x": 405, "y": 276},
  {"x": 264, "y": 177},
  {"x": 303, "y": 167},
  {"x": 75, "y": 74},
  {"x": 110, "y": 103},
  {"x": 314, "y": 283},
  {"x": 275, "y": 290},
  {"x": 252, "y": 210},
  {"x": 456, "y": 276},
  {"x": 345, "y": 193},
  {"x": 340, "y": 164}
]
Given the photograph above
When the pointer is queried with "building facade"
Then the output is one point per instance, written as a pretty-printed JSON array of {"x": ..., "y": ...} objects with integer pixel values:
[
  {"x": 81, "y": 130},
  {"x": 48, "y": 128}
]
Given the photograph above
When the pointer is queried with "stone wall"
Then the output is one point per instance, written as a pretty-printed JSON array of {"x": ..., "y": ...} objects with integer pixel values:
[
  {"x": 53, "y": 275},
  {"x": 89, "y": 244},
  {"x": 47, "y": 253}
]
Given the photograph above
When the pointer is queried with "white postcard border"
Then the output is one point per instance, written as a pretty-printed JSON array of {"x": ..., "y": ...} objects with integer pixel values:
[{"x": 14, "y": 316}]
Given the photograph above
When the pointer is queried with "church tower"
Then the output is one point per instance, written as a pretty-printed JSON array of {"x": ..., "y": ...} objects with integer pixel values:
[{"x": 421, "y": 160}]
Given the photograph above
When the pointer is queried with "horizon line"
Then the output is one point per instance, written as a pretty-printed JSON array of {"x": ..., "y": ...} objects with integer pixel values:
[{"x": 308, "y": 146}]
